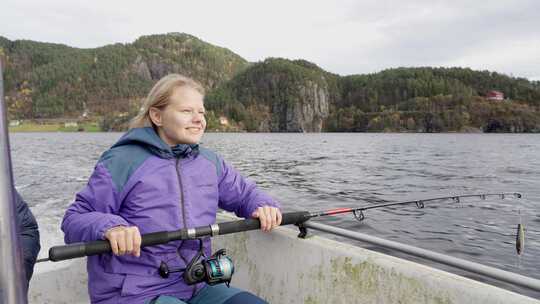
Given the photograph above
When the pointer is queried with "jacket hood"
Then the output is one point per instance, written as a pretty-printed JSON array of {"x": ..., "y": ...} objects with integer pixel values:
[{"x": 149, "y": 139}]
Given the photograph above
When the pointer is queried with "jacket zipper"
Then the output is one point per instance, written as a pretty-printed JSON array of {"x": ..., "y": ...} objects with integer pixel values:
[
  {"x": 181, "y": 191},
  {"x": 177, "y": 167}
]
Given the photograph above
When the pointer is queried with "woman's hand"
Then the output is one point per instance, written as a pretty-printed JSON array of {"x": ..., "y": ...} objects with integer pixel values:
[
  {"x": 269, "y": 216},
  {"x": 124, "y": 240}
]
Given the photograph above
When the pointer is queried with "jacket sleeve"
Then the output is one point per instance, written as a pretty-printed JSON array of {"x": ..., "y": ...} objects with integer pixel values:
[
  {"x": 94, "y": 211},
  {"x": 240, "y": 195},
  {"x": 28, "y": 234}
]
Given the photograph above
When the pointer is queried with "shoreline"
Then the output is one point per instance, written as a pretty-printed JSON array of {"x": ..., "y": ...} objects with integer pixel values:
[
  {"x": 70, "y": 130},
  {"x": 94, "y": 126}
]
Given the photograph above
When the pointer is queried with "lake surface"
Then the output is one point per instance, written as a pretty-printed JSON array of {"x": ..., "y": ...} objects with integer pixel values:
[{"x": 324, "y": 171}]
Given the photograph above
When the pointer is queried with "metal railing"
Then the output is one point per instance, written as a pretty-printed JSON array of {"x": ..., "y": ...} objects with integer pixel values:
[
  {"x": 12, "y": 289},
  {"x": 501, "y": 275}
]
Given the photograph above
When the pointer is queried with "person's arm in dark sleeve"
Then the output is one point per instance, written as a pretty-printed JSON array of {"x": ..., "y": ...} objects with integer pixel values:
[{"x": 28, "y": 235}]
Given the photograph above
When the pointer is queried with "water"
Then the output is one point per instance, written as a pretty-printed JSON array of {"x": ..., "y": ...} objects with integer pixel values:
[{"x": 323, "y": 171}]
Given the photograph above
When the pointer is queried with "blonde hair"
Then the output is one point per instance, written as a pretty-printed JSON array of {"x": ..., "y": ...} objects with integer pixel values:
[{"x": 159, "y": 97}]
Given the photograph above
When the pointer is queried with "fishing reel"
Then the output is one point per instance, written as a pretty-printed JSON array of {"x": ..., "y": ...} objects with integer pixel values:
[{"x": 216, "y": 269}]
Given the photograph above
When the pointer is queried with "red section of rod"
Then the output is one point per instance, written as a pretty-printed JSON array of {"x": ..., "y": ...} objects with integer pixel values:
[{"x": 338, "y": 211}]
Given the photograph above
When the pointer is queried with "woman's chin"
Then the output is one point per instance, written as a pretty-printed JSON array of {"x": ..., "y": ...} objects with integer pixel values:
[{"x": 192, "y": 140}]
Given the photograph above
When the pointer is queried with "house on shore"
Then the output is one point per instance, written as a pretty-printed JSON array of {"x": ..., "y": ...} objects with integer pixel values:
[{"x": 495, "y": 95}]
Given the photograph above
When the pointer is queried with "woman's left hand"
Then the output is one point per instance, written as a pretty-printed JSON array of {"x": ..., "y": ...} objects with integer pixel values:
[{"x": 269, "y": 216}]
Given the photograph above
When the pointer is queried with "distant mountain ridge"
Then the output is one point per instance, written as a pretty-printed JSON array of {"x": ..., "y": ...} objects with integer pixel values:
[{"x": 45, "y": 80}]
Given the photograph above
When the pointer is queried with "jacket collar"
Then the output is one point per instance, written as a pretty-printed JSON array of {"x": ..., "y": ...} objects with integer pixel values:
[{"x": 148, "y": 138}]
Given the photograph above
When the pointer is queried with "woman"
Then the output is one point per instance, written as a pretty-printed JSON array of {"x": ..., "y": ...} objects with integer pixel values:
[{"x": 157, "y": 178}]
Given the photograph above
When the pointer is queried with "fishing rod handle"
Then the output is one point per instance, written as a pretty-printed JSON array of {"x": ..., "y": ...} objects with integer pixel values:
[
  {"x": 79, "y": 250},
  {"x": 289, "y": 218}
]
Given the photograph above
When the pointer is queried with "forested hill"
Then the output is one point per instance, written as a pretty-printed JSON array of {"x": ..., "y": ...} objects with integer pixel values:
[
  {"x": 436, "y": 99},
  {"x": 298, "y": 96},
  {"x": 46, "y": 80}
]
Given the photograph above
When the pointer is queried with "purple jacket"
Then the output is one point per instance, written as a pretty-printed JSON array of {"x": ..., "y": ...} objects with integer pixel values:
[{"x": 143, "y": 182}]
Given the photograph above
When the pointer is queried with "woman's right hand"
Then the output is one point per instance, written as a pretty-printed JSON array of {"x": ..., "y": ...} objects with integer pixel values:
[{"x": 124, "y": 240}]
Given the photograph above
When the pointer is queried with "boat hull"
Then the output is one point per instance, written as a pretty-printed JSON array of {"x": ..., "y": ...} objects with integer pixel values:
[{"x": 282, "y": 268}]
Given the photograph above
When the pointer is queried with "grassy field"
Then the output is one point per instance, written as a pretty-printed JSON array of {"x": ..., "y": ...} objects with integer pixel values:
[{"x": 55, "y": 127}]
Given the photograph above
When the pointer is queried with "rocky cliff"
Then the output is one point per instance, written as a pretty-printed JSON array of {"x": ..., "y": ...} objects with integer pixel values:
[{"x": 277, "y": 95}]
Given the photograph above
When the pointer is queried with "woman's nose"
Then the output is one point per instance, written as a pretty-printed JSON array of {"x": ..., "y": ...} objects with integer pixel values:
[{"x": 197, "y": 117}]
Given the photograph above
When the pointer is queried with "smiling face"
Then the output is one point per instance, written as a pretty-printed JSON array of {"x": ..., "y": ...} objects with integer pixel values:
[{"x": 182, "y": 120}]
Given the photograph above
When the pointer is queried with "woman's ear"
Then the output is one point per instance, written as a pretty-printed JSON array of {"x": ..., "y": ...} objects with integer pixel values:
[{"x": 155, "y": 116}]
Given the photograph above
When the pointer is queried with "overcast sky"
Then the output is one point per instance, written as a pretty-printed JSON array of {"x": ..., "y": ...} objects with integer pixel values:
[{"x": 341, "y": 36}]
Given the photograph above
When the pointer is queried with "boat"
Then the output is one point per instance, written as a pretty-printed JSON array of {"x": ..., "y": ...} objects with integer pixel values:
[
  {"x": 279, "y": 266},
  {"x": 283, "y": 268}
]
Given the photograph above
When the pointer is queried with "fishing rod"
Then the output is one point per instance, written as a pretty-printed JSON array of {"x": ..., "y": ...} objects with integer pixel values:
[
  {"x": 77, "y": 250},
  {"x": 359, "y": 211}
]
